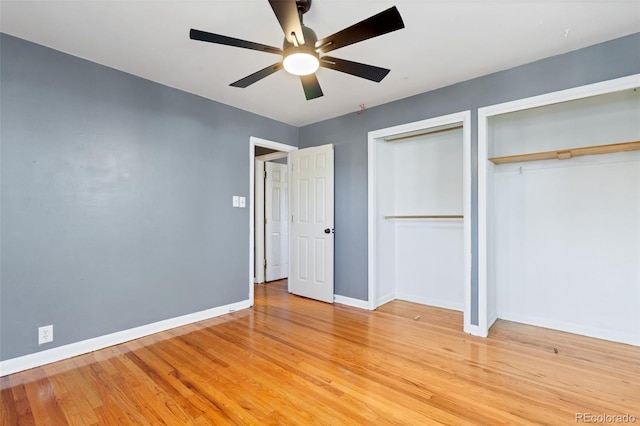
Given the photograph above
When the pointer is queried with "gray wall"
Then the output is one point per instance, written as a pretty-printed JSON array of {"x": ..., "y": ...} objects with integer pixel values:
[
  {"x": 604, "y": 61},
  {"x": 115, "y": 191},
  {"x": 115, "y": 199}
]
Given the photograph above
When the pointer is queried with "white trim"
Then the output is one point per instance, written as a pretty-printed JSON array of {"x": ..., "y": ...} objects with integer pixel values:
[
  {"x": 48, "y": 356},
  {"x": 569, "y": 327},
  {"x": 272, "y": 156},
  {"x": 289, "y": 191},
  {"x": 466, "y": 211},
  {"x": 374, "y": 137},
  {"x": 473, "y": 330},
  {"x": 615, "y": 85},
  {"x": 253, "y": 142},
  {"x": 385, "y": 299},
  {"x": 601, "y": 88},
  {"x": 438, "y": 303},
  {"x": 483, "y": 326},
  {"x": 258, "y": 223},
  {"x": 356, "y": 303},
  {"x": 372, "y": 243},
  {"x": 493, "y": 317}
]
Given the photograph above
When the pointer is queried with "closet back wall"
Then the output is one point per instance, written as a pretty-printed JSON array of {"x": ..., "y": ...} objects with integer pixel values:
[{"x": 429, "y": 252}]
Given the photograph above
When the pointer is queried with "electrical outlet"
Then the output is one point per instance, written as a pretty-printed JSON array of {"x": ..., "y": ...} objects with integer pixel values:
[{"x": 45, "y": 334}]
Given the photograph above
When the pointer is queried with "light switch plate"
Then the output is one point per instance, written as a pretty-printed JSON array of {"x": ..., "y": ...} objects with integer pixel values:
[
  {"x": 236, "y": 201},
  {"x": 243, "y": 202}
]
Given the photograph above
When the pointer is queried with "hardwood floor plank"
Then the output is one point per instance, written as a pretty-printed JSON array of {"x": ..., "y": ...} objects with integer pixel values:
[
  {"x": 291, "y": 360},
  {"x": 9, "y": 412},
  {"x": 69, "y": 403},
  {"x": 379, "y": 369},
  {"x": 39, "y": 387},
  {"x": 24, "y": 414},
  {"x": 266, "y": 368}
]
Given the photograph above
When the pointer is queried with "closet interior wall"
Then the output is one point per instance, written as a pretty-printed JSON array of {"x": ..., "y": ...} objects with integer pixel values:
[
  {"x": 420, "y": 259},
  {"x": 563, "y": 236}
]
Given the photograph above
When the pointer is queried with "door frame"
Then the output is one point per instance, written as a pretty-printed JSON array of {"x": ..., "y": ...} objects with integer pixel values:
[
  {"x": 486, "y": 314},
  {"x": 258, "y": 222},
  {"x": 265, "y": 143},
  {"x": 378, "y": 136}
]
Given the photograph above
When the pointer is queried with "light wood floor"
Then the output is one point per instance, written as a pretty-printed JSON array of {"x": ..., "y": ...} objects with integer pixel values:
[{"x": 290, "y": 360}]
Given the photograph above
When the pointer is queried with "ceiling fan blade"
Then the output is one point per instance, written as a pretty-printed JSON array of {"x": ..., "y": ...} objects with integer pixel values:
[
  {"x": 256, "y": 76},
  {"x": 369, "y": 72},
  {"x": 287, "y": 13},
  {"x": 230, "y": 41},
  {"x": 382, "y": 23},
  {"x": 311, "y": 86}
]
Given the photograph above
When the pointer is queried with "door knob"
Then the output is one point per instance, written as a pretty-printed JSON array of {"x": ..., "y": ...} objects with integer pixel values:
[{"x": 327, "y": 231}]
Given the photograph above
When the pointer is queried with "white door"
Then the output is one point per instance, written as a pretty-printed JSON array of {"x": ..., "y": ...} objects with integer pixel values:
[
  {"x": 311, "y": 231},
  {"x": 276, "y": 229}
]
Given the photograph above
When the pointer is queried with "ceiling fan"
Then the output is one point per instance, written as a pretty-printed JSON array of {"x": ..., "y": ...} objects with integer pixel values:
[{"x": 302, "y": 52}]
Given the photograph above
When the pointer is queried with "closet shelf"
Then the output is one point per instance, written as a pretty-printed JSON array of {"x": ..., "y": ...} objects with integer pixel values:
[
  {"x": 429, "y": 216},
  {"x": 565, "y": 154}
]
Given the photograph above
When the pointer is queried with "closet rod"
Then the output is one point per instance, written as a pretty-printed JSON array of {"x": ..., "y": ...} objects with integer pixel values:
[
  {"x": 417, "y": 135},
  {"x": 429, "y": 216},
  {"x": 565, "y": 154}
]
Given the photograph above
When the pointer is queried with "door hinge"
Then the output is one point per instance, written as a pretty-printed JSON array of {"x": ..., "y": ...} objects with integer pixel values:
[
  {"x": 265, "y": 263},
  {"x": 265, "y": 220},
  {"x": 265, "y": 174}
]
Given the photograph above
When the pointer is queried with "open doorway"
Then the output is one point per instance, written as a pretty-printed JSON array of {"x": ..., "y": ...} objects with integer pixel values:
[
  {"x": 270, "y": 239},
  {"x": 271, "y": 206}
]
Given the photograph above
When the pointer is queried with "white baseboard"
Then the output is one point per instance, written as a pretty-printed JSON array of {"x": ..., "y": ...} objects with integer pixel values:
[
  {"x": 385, "y": 299},
  {"x": 583, "y": 330},
  {"x": 48, "y": 356},
  {"x": 438, "y": 303},
  {"x": 356, "y": 303},
  {"x": 474, "y": 330},
  {"x": 493, "y": 317}
]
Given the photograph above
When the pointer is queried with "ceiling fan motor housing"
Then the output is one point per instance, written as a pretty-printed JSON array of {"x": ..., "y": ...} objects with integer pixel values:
[
  {"x": 309, "y": 46},
  {"x": 303, "y": 5}
]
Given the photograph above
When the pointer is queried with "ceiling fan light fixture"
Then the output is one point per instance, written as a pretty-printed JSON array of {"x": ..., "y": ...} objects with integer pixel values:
[
  {"x": 301, "y": 63},
  {"x": 301, "y": 49}
]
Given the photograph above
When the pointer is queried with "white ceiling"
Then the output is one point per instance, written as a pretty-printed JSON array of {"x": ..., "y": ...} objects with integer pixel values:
[{"x": 443, "y": 42}]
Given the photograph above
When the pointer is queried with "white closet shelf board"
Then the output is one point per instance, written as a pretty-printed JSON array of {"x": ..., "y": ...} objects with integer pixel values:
[
  {"x": 486, "y": 314},
  {"x": 398, "y": 134}
]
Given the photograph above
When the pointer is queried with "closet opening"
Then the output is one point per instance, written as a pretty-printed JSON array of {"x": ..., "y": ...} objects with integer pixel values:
[
  {"x": 559, "y": 211},
  {"x": 419, "y": 214}
]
